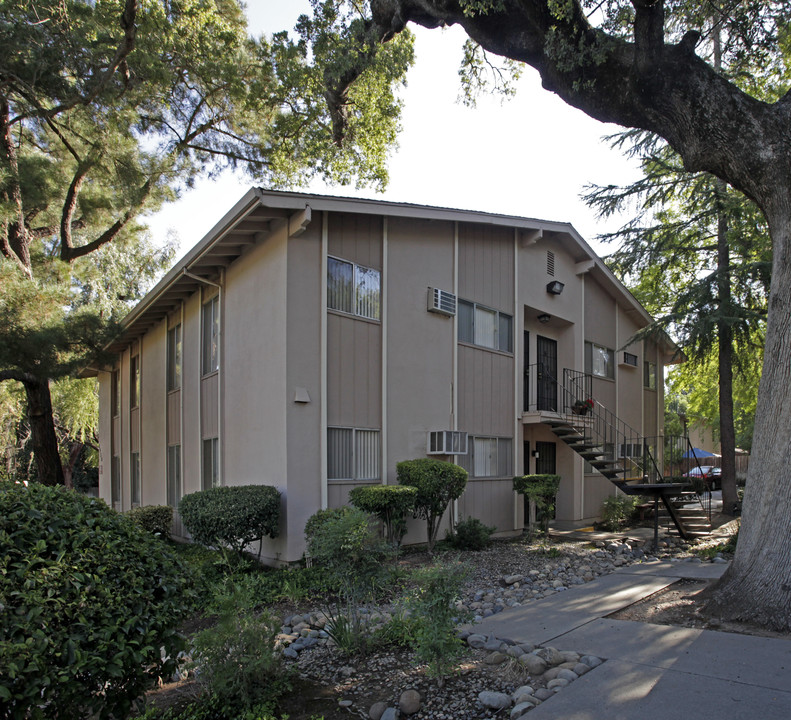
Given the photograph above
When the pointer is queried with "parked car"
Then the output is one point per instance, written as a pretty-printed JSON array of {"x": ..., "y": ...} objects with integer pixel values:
[{"x": 711, "y": 474}]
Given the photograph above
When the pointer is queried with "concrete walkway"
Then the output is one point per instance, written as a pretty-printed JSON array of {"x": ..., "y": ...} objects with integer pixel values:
[{"x": 653, "y": 672}]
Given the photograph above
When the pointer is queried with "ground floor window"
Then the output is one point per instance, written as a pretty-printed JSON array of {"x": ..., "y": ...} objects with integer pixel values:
[
  {"x": 115, "y": 482},
  {"x": 353, "y": 454},
  {"x": 174, "y": 475},
  {"x": 488, "y": 457},
  {"x": 211, "y": 463},
  {"x": 134, "y": 478}
]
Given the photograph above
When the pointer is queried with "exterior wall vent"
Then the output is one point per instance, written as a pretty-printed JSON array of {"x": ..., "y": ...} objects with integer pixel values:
[
  {"x": 442, "y": 302},
  {"x": 629, "y": 359},
  {"x": 550, "y": 263},
  {"x": 447, "y": 442}
]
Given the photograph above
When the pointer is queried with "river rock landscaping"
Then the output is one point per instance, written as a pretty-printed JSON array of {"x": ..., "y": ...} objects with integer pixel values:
[{"x": 496, "y": 677}]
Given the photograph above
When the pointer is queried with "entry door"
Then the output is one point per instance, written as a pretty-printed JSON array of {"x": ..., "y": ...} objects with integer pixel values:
[
  {"x": 547, "y": 359},
  {"x": 526, "y": 378},
  {"x": 546, "y": 462}
]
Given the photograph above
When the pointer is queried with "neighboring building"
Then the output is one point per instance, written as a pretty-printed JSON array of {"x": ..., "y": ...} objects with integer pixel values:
[{"x": 312, "y": 342}]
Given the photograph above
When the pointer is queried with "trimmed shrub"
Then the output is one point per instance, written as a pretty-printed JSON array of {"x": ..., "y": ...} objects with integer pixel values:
[
  {"x": 157, "y": 519},
  {"x": 617, "y": 511},
  {"x": 437, "y": 483},
  {"x": 87, "y": 599},
  {"x": 470, "y": 534},
  {"x": 390, "y": 503},
  {"x": 232, "y": 516},
  {"x": 542, "y": 490}
]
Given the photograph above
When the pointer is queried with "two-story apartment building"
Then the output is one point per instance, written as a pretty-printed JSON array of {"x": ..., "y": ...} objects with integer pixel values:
[{"x": 312, "y": 342}]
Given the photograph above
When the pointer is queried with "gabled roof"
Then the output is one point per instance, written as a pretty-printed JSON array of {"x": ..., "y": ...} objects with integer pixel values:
[{"x": 259, "y": 212}]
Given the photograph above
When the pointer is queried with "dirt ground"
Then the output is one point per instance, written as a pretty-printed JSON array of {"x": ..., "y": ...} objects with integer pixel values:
[{"x": 681, "y": 605}]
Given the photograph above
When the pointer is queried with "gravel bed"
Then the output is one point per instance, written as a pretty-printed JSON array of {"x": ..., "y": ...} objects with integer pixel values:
[{"x": 494, "y": 677}]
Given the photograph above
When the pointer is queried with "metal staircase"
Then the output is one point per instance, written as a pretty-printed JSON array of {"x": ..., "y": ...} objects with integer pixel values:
[{"x": 637, "y": 465}]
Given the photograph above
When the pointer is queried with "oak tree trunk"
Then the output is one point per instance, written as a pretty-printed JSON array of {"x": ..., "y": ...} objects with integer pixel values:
[
  {"x": 757, "y": 585},
  {"x": 42, "y": 428}
]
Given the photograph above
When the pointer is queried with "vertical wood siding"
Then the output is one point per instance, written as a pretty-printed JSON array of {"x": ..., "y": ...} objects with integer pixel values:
[
  {"x": 357, "y": 238},
  {"x": 486, "y": 392},
  {"x": 174, "y": 418},
  {"x": 486, "y": 261}
]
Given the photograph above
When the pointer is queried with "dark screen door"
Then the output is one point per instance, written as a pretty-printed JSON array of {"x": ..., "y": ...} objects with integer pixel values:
[{"x": 547, "y": 359}]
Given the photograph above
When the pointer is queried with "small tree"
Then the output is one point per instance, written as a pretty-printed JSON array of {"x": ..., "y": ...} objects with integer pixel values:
[
  {"x": 541, "y": 491},
  {"x": 390, "y": 503},
  {"x": 437, "y": 484}
]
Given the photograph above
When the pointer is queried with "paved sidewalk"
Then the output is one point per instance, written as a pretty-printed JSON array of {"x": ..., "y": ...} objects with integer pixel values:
[{"x": 653, "y": 672}]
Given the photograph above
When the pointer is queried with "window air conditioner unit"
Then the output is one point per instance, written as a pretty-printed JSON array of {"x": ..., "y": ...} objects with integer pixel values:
[
  {"x": 442, "y": 302},
  {"x": 447, "y": 442},
  {"x": 629, "y": 359}
]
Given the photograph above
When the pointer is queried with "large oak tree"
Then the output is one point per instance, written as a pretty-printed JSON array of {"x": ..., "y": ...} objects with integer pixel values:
[
  {"x": 109, "y": 107},
  {"x": 627, "y": 63}
]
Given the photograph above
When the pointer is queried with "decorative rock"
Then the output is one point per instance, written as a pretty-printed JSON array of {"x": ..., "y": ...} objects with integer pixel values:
[
  {"x": 496, "y": 658},
  {"x": 557, "y": 683},
  {"x": 492, "y": 643},
  {"x": 527, "y": 647},
  {"x": 544, "y": 694},
  {"x": 409, "y": 702},
  {"x": 591, "y": 661},
  {"x": 551, "y": 655},
  {"x": 581, "y": 668},
  {"x": 518, "y": 710},
  {"x": 533, "y": 664},
  {"x": 492, "y": 700},
  {"x": 345, "y": 703},
  {"x": 390, "y": 714},
  {"x": 569, "y": 675},
  {"x": 476, "y": 641},
  {"x": 551, "y": 674},
  {"x": 569, "y": 656},
  {"x": 377, "y": 710},
  {"x": 515, "y": 651},
  {"x": 511, "y": 579},
  {"x": 520, "y": 692},
  {"x": 290, "y": 653}
]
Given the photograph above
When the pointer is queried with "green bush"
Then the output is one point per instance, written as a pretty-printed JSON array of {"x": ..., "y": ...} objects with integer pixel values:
[
  {"x": 542, "y": 490},
  {"x": 237, "y": 659},
  {"x": 157, "y": 519},
  {"x": 87, "y": 599},
  {"x": 232, "y": 516},
  {"x": 470, "y": 534},
  {"x": 432, "y": 608},
  {"x": 617, "y": 511},
  {"x": 390, "y": 503},
  {"x": 437, "y": 484},
  {"x": 343, "y": 542}
]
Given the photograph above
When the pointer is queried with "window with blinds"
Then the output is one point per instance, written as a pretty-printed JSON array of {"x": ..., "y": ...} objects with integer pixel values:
[
  {"x": 485, "y": 327},
  {"x": 353, "y": 454},
  {"x": 353, "y": 289}
]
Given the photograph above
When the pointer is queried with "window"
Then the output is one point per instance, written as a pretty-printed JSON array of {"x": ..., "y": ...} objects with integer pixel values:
[
  {"x": 115, "y": 482},
  {"x": 211, "y": 463},
  {"x": 174, "y": 358},
  {"x": 649, "y": 375},
  {"x": 352, "y": 454},
  {"x": 484, "y": 327},
  {"x": 134, "y": 477},
  {"x": 115, "y": 394},
  {"x": 599, "y": 361},
  {"x": 134, "y": 382},
  {"x": 489, "y": 457},
  {"x": 174, "y": 475},
  {"x": 211, "y": 336},
  {"x": 353, "y": 289}
]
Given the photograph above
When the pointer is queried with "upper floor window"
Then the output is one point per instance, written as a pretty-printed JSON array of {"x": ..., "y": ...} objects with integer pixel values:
[
  {"x": 649, "y": 375},
  {"x": 353, "y": 288},
  {"x": 211, "y": 336},
  {"x": 174, "y": 358},
  {"x": 134, "y": 381},
  {"x": 599, "y": 361},
  {"x": 485, "y": 327}
]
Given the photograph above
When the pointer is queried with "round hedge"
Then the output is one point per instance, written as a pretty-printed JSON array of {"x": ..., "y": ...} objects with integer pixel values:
[
  {"x": 87, "y": 600},
  {"x": 233, "y": 516}
]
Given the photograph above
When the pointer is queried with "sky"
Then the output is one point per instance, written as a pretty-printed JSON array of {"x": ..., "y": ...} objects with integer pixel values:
[{"x": 531, "y": 155}]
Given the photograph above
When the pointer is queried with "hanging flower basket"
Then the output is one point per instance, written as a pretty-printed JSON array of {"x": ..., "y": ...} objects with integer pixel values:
[{"x": 581, "y": 407}]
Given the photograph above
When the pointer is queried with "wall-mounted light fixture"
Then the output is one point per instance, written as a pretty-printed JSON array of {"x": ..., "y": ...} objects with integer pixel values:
[
  {"x": 535, "y": 454},
  {"x": 544, "y": 318},
  {"x": 555, "y": 287}
]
